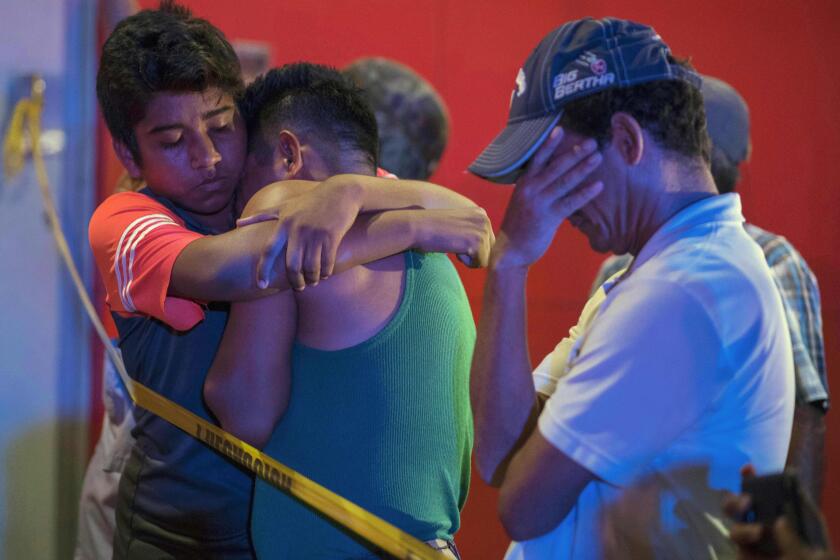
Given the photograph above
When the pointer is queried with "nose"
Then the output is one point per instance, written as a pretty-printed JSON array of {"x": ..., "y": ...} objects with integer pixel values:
[{"x": 203, "y": 153}]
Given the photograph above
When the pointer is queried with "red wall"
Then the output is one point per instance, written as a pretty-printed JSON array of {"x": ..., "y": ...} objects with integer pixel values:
[{"x": 778, "y": 54}]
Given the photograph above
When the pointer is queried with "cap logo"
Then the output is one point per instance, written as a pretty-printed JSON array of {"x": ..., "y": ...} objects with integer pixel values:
[
  {"x": 520, "y": 83},
  {"x": 597, "y": 65},
  {"x": 593, "y": 73}
]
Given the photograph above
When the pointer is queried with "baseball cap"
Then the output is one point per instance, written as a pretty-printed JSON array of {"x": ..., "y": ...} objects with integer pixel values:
[
  {"x": 727, "y": 119},
  {"x": 577, "y": 59}
]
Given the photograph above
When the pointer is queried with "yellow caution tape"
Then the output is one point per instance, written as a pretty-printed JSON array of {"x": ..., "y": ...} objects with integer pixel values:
[{"x": 352, "y": 517}]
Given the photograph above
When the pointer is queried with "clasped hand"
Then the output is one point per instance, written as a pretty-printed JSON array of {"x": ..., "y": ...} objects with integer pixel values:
[{"x": 309, "y": 230}]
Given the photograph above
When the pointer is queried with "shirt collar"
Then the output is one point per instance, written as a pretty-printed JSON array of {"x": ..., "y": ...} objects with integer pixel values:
[
  {"x": 717, "y": 208},
  {"x": 188, "y": 220}
]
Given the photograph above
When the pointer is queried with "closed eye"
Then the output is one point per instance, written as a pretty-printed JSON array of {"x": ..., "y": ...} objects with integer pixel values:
[
  {"x": 222, "y": 127},
  {"x": 171, "y": 145}
]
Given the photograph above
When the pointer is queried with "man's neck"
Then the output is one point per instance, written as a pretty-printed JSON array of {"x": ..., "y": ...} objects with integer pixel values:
[
  {"x": 680, "y": 185},
  {"x": 346, "y": 164}
]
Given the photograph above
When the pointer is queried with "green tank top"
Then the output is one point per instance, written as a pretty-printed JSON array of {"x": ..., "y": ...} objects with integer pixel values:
[{"x": 386, "y": 424}]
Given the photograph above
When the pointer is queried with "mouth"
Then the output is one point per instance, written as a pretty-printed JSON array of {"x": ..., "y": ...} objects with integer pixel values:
[{"x": 213, "y": 184}]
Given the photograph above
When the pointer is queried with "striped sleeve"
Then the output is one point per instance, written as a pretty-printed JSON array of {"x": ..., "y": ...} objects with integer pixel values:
[
  {"x": 801, "y": 298},
  {"x": 135, "y": 242}
]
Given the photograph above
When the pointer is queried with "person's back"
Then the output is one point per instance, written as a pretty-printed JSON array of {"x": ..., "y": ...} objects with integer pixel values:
[{"x": 381, "y": 418}]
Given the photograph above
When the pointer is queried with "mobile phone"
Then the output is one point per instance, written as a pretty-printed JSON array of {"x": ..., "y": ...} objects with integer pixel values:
[{"x": 775, "y": 495}]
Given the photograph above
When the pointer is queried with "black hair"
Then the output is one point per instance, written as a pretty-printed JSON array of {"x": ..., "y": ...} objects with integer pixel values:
[
  {"x": 160, "y": 50},
  {"x": 313, "y": 99},
  {"x": 670, "y": 110}
]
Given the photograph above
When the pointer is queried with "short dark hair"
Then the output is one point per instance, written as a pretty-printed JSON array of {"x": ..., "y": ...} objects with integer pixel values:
[
  {"x": 670, "y": 110},
  {"x": 160, "y": 50},
  {"x": 310, "y": 98}
]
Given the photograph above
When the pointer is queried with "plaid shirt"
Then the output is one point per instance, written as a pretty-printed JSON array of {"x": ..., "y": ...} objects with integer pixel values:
[{"x": 801, "y": 298}]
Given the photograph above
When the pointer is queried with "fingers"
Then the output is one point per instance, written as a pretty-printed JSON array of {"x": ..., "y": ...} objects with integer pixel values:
[
  {"x": 265, "y": 264},
  {"x": 329, "y": 252},
  {"x": 563, "y": 178},
  {"x": 312, "y": 264},
  {"x": 294, "y": 261},
  {"x": 545, "y": 151},
  {"x": 310, "y": 257},
  {"x": 573, "y": 165},
  {"x": 256, "y": 218},
  {"x": 479, "y": 251},
  {"x": 568, "y": 204}
]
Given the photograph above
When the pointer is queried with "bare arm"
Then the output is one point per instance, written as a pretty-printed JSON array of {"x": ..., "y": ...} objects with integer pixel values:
[
  {"x": 504, "y": 401},
  {"x": 249, "y": 382},
  {"x": 390, "y": 194},
  {"x": 540, "y": 488},
  {"x": 807, "y": 444},
  {"x": 312, "y": 235},
  {"x": 501, "y": 387},
  {"x": 221, "y": 267}
]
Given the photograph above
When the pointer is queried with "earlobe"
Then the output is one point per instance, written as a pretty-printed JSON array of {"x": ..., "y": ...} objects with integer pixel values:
[
  {"x": 628, "y": 138},
  {"x": 289, "y": 152},
  {"x": 127, "y": 159}
]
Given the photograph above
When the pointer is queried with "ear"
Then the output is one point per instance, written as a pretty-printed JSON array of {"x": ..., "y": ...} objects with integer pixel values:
[
  {"x": 627, "y": 138},
  {"x": 127, "y": 159},
  {"x": 288, "y": 155}
]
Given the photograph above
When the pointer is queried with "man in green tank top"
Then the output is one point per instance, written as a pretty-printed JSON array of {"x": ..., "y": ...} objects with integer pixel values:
[{"x": 360, "y": 382}]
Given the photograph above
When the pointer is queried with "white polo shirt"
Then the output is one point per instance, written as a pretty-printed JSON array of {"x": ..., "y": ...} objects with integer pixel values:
[{"x": 685, "y": 367}]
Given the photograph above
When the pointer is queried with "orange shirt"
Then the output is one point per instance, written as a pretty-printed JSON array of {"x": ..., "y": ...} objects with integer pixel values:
[{"x": 135, "y": 241}]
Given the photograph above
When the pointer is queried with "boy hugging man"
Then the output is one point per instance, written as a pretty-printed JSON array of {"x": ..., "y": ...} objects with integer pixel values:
[{"x": 169, "y": 255}]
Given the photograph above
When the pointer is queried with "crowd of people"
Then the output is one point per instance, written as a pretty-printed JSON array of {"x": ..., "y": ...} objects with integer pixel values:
[{"x": 278, "y": 268}]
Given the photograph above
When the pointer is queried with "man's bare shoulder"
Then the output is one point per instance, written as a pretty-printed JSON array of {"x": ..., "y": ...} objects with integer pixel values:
[{"x": 275, "y": 194}]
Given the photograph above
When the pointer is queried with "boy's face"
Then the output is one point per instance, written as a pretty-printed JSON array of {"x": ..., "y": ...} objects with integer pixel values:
[{"x": 192, "y": 148}]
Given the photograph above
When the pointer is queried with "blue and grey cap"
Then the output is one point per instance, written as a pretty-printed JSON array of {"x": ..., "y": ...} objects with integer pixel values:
[{"x": 577, "y": 59}]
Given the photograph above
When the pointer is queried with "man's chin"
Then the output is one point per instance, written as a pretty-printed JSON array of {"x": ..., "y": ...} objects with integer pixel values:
[
  {"x": 599, "y": 245},
  {"x": 596, "y": 242},
  {"x": 212, "y": 207}
]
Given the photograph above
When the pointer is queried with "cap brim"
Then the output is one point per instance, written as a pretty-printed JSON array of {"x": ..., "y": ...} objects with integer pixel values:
[{"x": 502, "y": 161}]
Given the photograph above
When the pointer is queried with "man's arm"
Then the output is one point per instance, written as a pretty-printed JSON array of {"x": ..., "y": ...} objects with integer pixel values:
[
  {"x": 801, "y": 298},
  {"x": 807, "y": 444},
  {"x": 502, "y": 392},
  {"x": 313, "y": 234},
  {"x": 248, "y": 385},
  {"x": 222, "y": 267},
  {"x": 504, "y": 401},
  {"x": 541, "y": 487}
]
